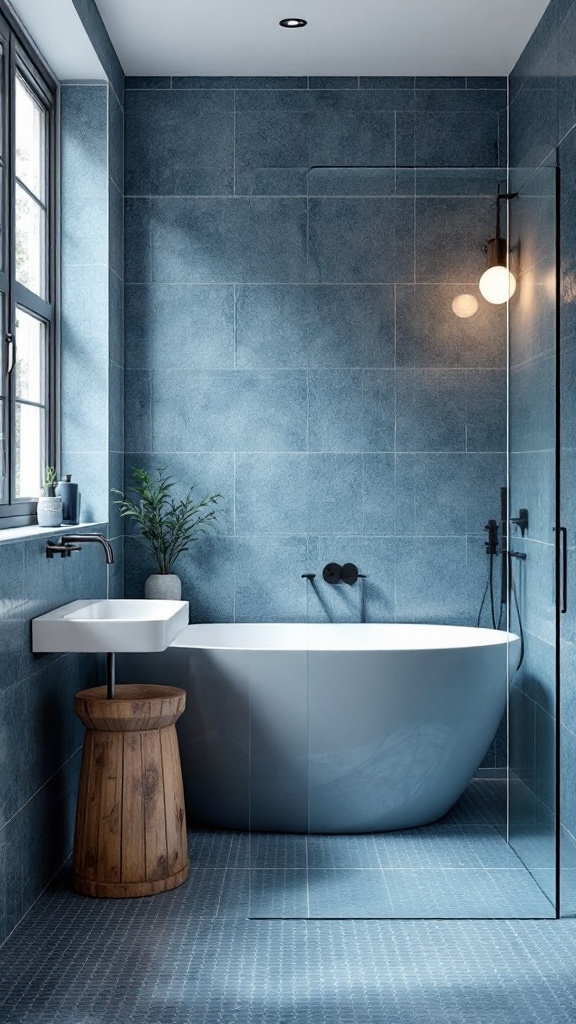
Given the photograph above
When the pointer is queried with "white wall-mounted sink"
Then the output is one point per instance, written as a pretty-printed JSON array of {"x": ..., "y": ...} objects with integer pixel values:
[{"x": 113, "y": 627}]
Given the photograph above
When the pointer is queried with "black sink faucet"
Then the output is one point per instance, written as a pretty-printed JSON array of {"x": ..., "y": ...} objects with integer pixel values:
[{"x": 74, "y": 541}]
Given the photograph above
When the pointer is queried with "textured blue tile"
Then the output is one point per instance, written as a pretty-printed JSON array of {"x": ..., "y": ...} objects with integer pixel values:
[
  {"x": 351, "y": 326},
  {"x": 116, "y": 315},
  {"x": 536, "y": 586},
  {"x": 271, "y": 82},
  {"x": 430, "y": 584},
  {"x": 211, "y": 473},
  {"x": 534, "y": 121},
  {"x": 344, "y": 130},
  {"x": 257, "y": 411},
  {"x": 545, "y": 759},
  {"x": 179, "y": 142},
  {"x": 270, "y": 493},
  {"x": 147, "y": 82},
  {"x": 334, "y": 82},
  {"x": 85, "y": 383},
  {"x": 387, "y": 82},
  {"x": 84, "y": 139},
  {"x": 532, "y": 485},
  {"x": 430, "y": 410},
  {"x": 460, "y": 138},
  {"x": 269, "y": 100},
  {"x": 181, "y": 326},
  {"x": 566, "y": 74},
  {"x": 489, "y": 82},
  {"x": 115, "y": 521},
  {"x": 532, "y": 317},
  {"x": 207, "y": 240},
  {"x": 272, "y": 153},
  {"x": 116, "y": 408},
  {"x": 336, "y": 852},
  {"x": 446, "y": 847},
  {"x": 428, "y": 333},
  {"x": 348, "y": 410},
  {"x": 532, "y": 401},
  {"x": 85, "y": 230},
  {"x": 455, "y": 100},
  {"x": 334, "y": 494},
  {"x": 116, "y": 140},
  {"x": 116, "y": 229},
  {"x": 202, "y": 82},
  {"x": 260, "y": 562},
  {"x": 458, "y": 181},
  {"x": 364, "y": 240},
  {"x": 378, "y": 489},
  {"x": 267, "y": 851},
  {"x": 272, "y": 325},
  {"x": 440, "y": 82},
  {"x": 358, "y": 181},
  {"x": 450, "y": 234},
  {"x": 138, "y": 410},
  {"x": 13, "y": 632},
  {"x": 486, "y": 398}
]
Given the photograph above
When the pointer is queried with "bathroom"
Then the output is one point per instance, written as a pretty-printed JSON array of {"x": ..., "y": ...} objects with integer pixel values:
[{"x": 252, "y": 255}]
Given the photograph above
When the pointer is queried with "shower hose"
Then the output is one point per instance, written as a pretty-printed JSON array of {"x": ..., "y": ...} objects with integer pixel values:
[{"x": 489, "y": 589}]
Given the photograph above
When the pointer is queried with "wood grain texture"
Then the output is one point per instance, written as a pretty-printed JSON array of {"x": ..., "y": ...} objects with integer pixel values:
[{"x": 130, "y": 821}]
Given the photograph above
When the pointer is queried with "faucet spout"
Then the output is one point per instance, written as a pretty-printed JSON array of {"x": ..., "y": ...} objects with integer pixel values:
[{"x": 86, "y": 538}]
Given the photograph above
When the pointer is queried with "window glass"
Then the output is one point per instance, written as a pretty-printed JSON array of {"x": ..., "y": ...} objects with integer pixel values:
[
  {"x": 30, "y": 141},
  {"x": 30, "y": 242},
  {"x": 30, "y": 448}
]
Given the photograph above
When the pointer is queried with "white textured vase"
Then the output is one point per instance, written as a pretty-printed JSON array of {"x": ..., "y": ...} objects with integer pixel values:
[
  {"x": 49, "y": 511},
  {"x": 167, "y": 587}
]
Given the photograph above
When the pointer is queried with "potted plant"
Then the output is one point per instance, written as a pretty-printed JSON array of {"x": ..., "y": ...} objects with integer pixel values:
[
  {"x": 49, "y": 510},
  {"x": 169, "y": 525}
]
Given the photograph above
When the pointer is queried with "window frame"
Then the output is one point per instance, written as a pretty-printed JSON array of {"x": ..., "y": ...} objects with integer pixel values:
[{"x": 22, "y": 58}]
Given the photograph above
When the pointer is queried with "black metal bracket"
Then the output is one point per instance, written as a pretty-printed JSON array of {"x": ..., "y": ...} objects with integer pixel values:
[
  {"x": 522, "y": 520},
  {"x": 64, "y": 549},
  {"x": 309, "y": 576}
]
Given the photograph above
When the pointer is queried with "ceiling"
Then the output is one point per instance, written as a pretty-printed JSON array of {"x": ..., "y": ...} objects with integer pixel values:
[{"x": 368, "y": 37}]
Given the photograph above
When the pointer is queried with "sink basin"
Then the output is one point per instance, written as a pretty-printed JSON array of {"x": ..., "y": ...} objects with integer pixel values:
[{"x": 112, "y": 627}]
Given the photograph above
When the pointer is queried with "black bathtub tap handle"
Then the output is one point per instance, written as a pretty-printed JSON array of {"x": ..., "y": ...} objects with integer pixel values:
[
  {"x": 311, "y": 576},
  {"x": 332, "y": 573}
]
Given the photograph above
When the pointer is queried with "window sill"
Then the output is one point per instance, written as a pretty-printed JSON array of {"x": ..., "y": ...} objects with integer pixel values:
[{"x": 18, "y": 533}]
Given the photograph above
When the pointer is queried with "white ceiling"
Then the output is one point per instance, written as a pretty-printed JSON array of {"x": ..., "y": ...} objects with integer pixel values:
[
  {"x": 61, "y": 38},
  {"x": 368, "y": 37}
]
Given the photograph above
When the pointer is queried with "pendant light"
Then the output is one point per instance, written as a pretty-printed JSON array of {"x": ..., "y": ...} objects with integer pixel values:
[{"x": 497, "y": 283}]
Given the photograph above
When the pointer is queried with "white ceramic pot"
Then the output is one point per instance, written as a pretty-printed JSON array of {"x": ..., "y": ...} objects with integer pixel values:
[
  {"x": 167, "y": 587},
  {"x": 49, "y": 511}
]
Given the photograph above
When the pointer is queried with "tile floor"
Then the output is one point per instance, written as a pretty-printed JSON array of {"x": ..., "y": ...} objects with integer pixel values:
[{"x": 194, "y": 956}]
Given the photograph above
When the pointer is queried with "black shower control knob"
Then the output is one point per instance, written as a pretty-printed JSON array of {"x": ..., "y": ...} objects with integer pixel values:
[
  {"x": 332, "y": 573},
  {"x": 349, "y": 573}
]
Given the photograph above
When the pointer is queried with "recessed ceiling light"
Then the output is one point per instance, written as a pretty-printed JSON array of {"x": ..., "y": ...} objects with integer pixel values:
[{"x": 293, "y": 23}]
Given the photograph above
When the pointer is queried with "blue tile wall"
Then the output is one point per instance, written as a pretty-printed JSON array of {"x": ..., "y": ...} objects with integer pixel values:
[
  {"x": 290, "y": 339},
  {"x": 542, "y": 123},
  {"x": 40, "y": 736}
]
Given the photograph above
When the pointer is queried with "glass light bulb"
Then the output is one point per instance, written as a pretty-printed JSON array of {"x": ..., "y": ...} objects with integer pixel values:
[
  {"x": 497, "y": 285},
  {"x": 465, "y": 305}
]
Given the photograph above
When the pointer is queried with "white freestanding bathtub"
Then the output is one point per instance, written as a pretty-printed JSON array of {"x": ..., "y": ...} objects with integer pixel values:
[{"x": 331, "y": 728}]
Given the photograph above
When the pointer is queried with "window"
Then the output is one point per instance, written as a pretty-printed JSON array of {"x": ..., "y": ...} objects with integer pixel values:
[{"x": 27, "y": 279}]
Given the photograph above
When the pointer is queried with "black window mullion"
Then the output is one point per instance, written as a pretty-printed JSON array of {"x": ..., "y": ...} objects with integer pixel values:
[{"x": 20, "y": 59}]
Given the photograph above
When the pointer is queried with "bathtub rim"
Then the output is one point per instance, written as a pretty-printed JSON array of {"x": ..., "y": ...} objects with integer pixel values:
[{"x": 302, "y": 638}]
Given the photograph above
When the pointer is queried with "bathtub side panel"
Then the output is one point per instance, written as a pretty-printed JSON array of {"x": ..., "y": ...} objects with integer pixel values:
[
  {"x": 395, "y": 737},
  {"x": 279, "y": 742}
]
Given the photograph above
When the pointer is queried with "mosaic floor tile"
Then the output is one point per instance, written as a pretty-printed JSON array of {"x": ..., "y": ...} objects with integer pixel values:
[
  {"x": 343, "y": 894},
  {"x": 446, "y": 846},
  {"x": 477, "y": 893},
  {"x": 343, "y": 852},
  {"x": 267, "y": 850}
]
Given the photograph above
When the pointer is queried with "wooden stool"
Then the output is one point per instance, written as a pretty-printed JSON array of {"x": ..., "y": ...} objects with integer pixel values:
[{"x": 130, "y": 822}]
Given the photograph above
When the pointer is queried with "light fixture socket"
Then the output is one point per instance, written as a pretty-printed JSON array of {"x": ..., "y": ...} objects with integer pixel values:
[{"x": 497, "y": 252}]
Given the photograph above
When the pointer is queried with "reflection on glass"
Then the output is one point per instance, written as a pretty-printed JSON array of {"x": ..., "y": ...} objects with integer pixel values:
[
  {"x": 3, "y": 480},
  {"x": 30, "y": 242},
  {"x": 29, "y": 450},
  {"x": 30, "y": 141},
  {"x": 30, "y": 357}
]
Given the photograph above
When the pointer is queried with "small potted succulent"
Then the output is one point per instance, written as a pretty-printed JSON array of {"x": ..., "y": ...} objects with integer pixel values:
[
  {"x": 49, "y": 510},
  {"x": 168, "y": 524}
]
